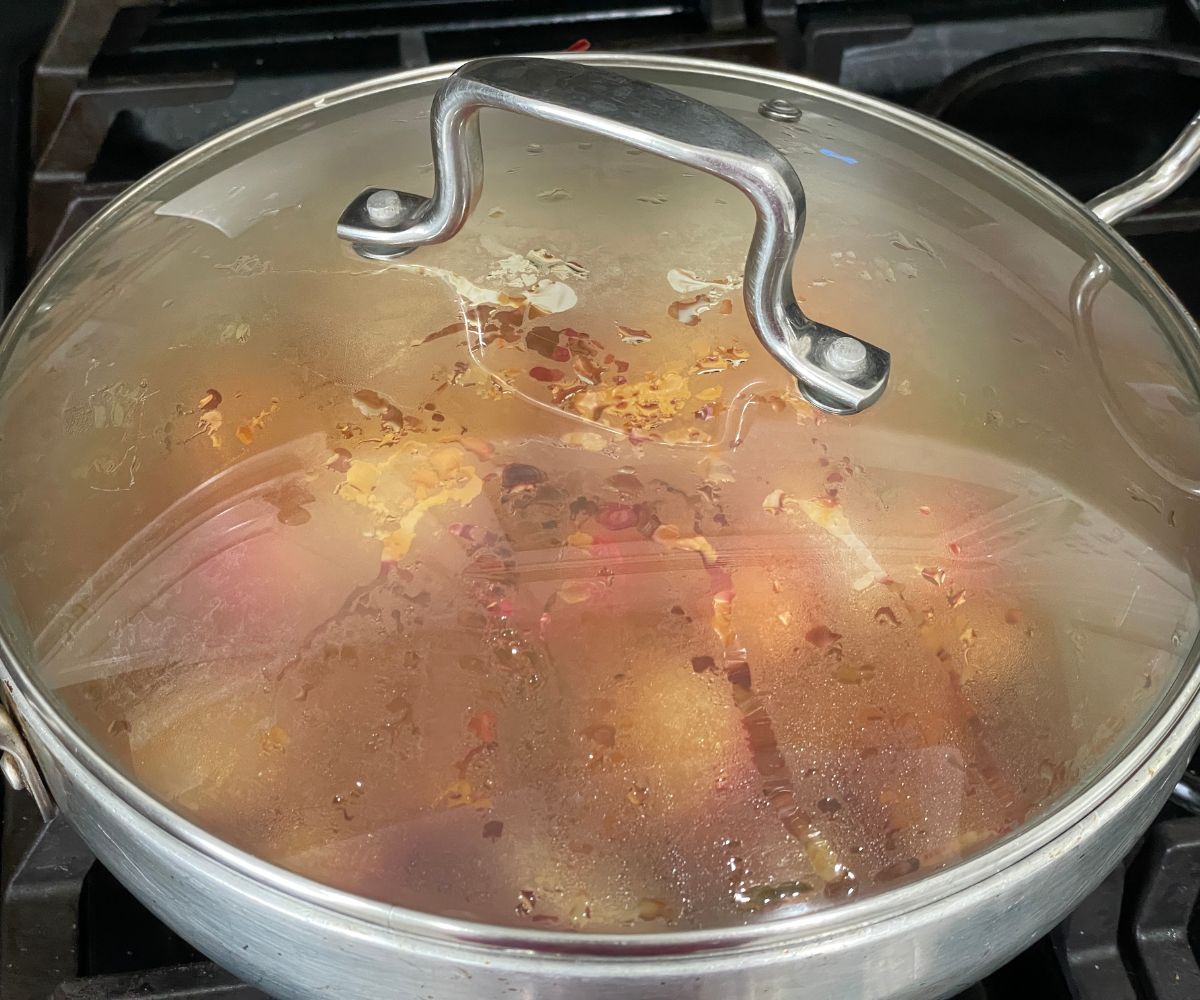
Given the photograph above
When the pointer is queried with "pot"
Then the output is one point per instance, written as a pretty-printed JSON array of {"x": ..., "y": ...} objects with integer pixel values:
[{"x": 296, "y": 937}]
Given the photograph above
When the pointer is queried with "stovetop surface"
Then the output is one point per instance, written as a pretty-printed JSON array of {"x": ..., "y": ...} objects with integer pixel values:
[{"x": 1085, "y": 91}]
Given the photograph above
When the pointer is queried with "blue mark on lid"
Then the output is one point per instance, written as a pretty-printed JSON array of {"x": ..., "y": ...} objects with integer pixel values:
[{"x": 837, "y": 156}]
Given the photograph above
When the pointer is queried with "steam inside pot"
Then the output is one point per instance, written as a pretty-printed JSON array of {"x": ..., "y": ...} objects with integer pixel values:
[{"x": 515, "y": 583}]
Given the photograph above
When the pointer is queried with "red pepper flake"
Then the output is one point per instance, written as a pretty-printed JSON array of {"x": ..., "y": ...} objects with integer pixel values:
[
  {"x": 625, "y": 482},
  {"x": 822, "y": 637},
  {"x": 492, "y": 830},
  {"x": 546, "y": 374},
  {"x": 210, "y": 400},
  {"x": 957, "y": 598},
  {"x": 685, "y": 310},
  {"x": 544, "y": 341},
  {"x": 886, "y": 616},
  {"x": 371, "y": 404},
  {"x": 587, "y": 370},
  {"x": 703, "y": 664},
  {"x": 518, "y": 476},
  {"x": 1012, "y": 616},
  {"x": 617, "y": 517},
  {"x": 445, "y": 331},
  {"x": 483, "y": 725},
  {"x": 955, "y": 548},
  {"x": 934, "y": 574},
  {"x": 630, "y": 335}
]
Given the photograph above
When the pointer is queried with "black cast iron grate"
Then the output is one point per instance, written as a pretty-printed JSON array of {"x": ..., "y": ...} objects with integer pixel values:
[
  {"x": 1136, "y": 937},
  {"x": 70, "y": 931}
]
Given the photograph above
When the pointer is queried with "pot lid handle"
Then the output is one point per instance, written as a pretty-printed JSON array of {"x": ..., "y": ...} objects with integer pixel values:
[{"x": 835, "y": 371}]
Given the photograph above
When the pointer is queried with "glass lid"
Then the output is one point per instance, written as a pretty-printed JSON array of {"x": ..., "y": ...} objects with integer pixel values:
[{"x": 517, "y": 578}]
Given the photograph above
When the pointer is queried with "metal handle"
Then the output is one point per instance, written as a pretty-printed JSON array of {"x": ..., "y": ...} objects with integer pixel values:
[
  {"x": 835, "y": 371},
  {"x": 1153, "y": 184},
  {"x": 1187, "y": 792},
  {"x": 18, "y": 766}
]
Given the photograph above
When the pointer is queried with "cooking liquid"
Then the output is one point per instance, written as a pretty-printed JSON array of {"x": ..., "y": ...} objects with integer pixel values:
[
  {"x": 542, "y": 619},
  {"x": 596, "y": 689}
]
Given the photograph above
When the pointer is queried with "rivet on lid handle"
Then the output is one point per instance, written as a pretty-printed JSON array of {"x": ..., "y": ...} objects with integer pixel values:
[
  {"x": 779, "y": 109},
  {"x": 835, "y": 371}
]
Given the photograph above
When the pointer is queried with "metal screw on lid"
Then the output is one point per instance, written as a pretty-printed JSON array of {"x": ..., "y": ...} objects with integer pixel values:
[
  {"x": 383, "y": 207},
  {"x": 779, "y": 110},
  {"x": 846, "y": 356}
]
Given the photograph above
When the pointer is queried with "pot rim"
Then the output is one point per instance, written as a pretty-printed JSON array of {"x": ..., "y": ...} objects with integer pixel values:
[{"x": 1148, "y": 747}]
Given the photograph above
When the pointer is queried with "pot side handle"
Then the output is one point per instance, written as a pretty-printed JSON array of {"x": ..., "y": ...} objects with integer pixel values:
[
  {"x": 835, "y": 371},
  {"x": 1150, "y": 186},
  {"x": 18, "y": 766},
  {"x": 1154, "y": 183}
]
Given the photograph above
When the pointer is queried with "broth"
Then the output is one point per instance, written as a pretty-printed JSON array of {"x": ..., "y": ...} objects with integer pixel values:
[
  {"x": 582, "y": 627},
  {"x": 604, "y": 688}
]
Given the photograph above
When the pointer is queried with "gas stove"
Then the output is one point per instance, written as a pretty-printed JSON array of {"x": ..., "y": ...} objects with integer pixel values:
[{"x": 95, "y": 93}]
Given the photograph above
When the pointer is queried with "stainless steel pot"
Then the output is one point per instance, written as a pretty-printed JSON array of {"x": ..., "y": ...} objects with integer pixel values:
[{"x": 295, "y": 938}]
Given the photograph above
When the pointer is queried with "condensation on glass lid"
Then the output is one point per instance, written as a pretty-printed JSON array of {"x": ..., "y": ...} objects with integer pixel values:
[
  {"x": 665, "y": 650},
  {"x": 633, "y": 688},
  {"x": 605, "y": 380}
]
